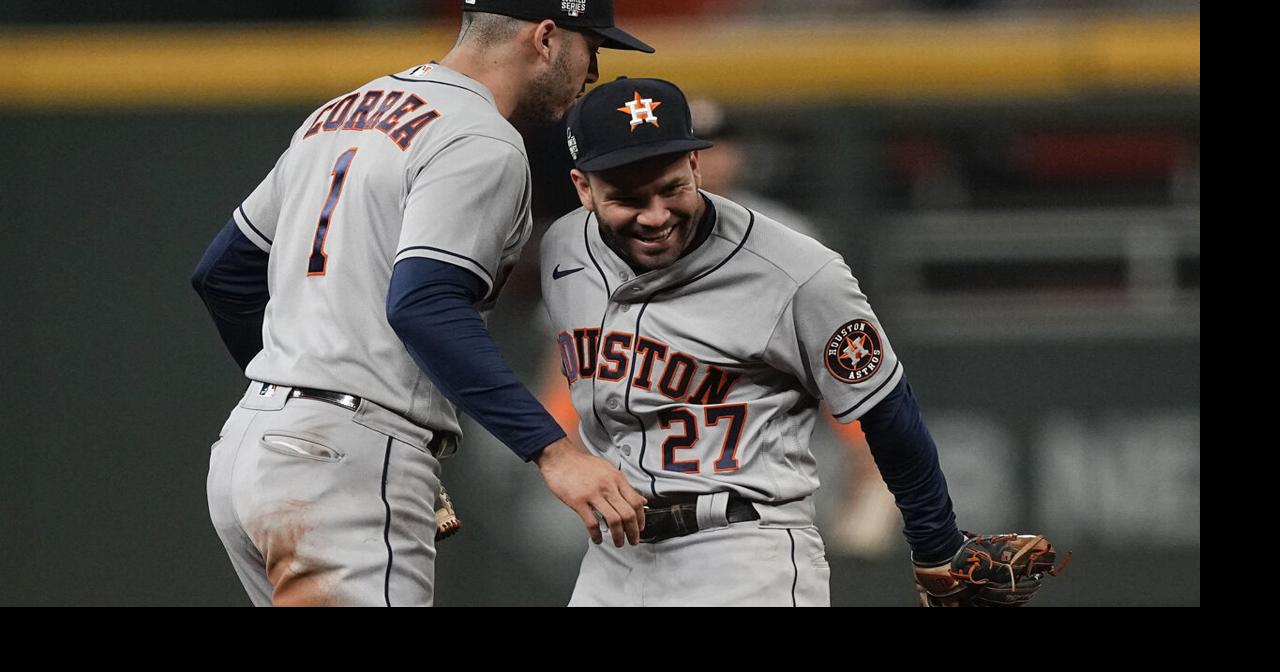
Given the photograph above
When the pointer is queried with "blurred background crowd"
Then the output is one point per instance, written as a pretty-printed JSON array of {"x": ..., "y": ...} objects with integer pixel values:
[{"x": 1016, "y": 184}]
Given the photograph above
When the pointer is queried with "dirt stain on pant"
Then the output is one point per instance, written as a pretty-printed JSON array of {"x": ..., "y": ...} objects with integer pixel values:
[{"x": 281, "y": 534}]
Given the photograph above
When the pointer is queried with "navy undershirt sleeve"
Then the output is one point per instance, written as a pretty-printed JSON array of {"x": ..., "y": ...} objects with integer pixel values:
[
  {"x": 231, "y": 279},
  {"x": 431, "y": 306},
  {"x": 908, "y": 461}
]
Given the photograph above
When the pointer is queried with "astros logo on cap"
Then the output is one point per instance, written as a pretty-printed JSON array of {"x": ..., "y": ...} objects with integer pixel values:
[{"x": 641, "y": 111}]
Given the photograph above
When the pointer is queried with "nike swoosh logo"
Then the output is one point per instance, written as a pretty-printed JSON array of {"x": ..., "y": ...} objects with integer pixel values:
[{"x": 557, "y": 273}]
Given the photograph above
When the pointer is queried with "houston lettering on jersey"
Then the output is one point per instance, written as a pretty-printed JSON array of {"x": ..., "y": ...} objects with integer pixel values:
[
  {"x": 375, "y": 110},
  {"x": 584, "y": 354}
]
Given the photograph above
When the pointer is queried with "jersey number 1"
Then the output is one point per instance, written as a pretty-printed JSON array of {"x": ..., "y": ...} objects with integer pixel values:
[{"x": 318, "y": 260}]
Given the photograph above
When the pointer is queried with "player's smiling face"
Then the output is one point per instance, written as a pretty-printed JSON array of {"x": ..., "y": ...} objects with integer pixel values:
[{"x": 648, "y": 210}]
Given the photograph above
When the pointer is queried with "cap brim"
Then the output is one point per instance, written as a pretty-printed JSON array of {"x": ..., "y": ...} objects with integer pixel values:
[
  {"x": 634, "y": 153},
  {"x": 616, "y": 38}
]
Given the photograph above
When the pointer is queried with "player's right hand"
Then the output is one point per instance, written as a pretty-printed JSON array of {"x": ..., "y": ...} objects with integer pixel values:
[{"x": 591, "y": 486}]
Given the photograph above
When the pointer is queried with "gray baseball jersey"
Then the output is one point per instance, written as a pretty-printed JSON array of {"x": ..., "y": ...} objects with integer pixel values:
[
  {"x": 320, "y": 500},
  {"x": 416, "y": 164},
  {"x": 706, "y": 376}
]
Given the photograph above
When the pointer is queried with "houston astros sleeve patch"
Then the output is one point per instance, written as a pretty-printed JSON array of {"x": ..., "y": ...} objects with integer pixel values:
[{"x": 854, "y": 352}]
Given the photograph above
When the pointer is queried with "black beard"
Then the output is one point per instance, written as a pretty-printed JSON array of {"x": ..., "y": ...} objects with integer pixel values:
[
  {"x": 612, "y": 242},
  {"x": 537, "y": 107}
]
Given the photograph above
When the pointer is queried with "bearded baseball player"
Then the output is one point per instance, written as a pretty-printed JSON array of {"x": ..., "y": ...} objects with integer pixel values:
[
  {"x": 349, "y": 285},
  {"x": 698, "y": 337}
]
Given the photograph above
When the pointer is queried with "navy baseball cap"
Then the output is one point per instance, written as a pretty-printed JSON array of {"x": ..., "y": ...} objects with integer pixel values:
[
  {"x": 592, "y": 16},
  {"x": 628, "y": 120}
]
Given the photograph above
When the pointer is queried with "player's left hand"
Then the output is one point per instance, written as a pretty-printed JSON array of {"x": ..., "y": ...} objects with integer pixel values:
[{"x": 591, "y": 486}]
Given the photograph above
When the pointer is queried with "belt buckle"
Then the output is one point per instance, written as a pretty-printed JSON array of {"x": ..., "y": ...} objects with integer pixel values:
[
  {"x": 669, "y": 522},
  {"x": 681, "y": 518},
  {"x": 347, "y": 401}
]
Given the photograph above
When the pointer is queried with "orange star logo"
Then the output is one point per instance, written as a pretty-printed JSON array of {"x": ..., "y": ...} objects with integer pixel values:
[
  {"x": 855, "y": 350},
  {"x": 641, "y": 111}
]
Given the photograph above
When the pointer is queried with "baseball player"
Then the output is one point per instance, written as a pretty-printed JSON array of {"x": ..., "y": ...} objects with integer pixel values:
[
  {"x": 697, "y": 337},
  {"x": 349, "y": 287}
]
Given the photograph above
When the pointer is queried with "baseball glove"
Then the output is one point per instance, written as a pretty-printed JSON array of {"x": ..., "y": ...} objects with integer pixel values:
[
  {"x": 447, "y": 521},
  {"x": 998, "y": 570}
]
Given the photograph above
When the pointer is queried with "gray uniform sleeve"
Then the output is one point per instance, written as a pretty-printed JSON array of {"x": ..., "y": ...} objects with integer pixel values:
[
  {"x": 467, "y": 205},
  {"x": 829, "y": 338},
  {"x": 257, "y": 215}
]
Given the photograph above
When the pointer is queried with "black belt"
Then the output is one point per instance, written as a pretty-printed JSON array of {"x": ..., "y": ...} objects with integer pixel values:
[
  {"x": 347, "y": 401},
  {"x": 439, "y": 440},
  {"x": 677, "y": 516}
]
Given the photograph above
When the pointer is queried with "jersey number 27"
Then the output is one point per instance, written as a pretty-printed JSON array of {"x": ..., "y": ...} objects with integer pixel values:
[{"x": 736, "y": 414}]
